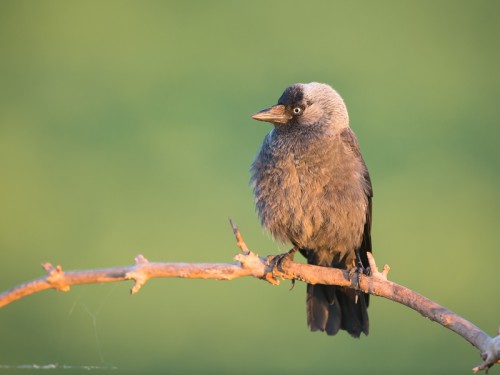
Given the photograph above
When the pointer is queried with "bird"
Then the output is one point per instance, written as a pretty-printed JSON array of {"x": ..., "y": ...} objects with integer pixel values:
[{"x": 312, "y": 189}]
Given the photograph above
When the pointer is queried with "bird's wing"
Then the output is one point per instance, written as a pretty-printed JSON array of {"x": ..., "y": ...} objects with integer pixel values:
[{"x": 349, "y": 138}]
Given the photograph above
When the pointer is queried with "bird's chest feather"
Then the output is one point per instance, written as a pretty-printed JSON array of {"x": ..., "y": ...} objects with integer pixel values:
[{"x": 311, "y": 196}]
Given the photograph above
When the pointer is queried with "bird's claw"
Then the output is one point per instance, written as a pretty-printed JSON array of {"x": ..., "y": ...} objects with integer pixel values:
[
  {"x": 356, "y": 273},
  {"x": 281, "y": 258}
]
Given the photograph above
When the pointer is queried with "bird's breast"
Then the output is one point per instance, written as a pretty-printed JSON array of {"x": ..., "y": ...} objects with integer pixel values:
[{"x": 313, "y": 198}]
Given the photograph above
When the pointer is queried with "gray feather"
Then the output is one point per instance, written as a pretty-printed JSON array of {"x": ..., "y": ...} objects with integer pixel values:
[{"x": 312, "y": 188}]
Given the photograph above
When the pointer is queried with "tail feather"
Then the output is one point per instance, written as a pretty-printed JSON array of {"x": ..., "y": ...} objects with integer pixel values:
[
  {"x": 319, "y": 304},
  {"x": 331, "y": 308}
]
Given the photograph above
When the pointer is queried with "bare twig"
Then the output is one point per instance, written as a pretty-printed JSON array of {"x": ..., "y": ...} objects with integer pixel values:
[{"x": 250, "y": 264}]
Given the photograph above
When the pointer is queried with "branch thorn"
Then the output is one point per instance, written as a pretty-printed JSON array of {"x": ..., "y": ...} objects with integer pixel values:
[
  {"x": 239, "y": 238},
  {"x": 140, "y": 259},
  {"x": 385, "y": 270},
  {"x": 374, "y": 268},
  {"x": 55, "y": 277},
  {"x": 138, "y": 274}
]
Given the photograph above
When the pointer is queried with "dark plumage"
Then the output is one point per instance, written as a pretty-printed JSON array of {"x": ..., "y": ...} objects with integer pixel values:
[{"x": 312, "y": 188}]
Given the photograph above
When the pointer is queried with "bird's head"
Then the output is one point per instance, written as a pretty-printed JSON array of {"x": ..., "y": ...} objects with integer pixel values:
[{"x": 310, "y": 105}]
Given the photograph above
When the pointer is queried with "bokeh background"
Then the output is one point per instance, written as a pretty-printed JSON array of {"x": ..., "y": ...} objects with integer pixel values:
[{"x": 125, "y": 128}]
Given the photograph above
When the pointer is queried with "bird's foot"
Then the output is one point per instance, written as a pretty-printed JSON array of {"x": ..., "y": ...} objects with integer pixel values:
[
  {"x": 360, "y": 267},
  {"x": 355, "y": 276},
  {"x": 281, "y": 258}
]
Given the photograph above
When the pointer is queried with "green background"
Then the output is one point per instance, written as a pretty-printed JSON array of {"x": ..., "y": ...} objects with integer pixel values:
[{"x": 125, "y": 128}]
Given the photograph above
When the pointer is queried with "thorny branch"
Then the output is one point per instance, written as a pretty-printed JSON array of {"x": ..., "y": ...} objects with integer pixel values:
[{"x": 250, "y": 264}]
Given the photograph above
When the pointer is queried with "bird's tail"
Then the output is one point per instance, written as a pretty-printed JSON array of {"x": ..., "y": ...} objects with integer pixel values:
[{"x": 331, "y": 308}]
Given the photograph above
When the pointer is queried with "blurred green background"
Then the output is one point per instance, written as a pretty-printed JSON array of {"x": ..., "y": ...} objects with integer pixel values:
[{"x": 125, "y": 128}]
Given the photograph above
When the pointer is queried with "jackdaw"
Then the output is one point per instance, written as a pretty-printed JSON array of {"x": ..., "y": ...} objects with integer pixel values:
[{"x": 312, "y": 188}]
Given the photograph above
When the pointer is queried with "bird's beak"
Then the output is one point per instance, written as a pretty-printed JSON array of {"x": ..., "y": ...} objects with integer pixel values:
[{"x": 276, "y": 115}]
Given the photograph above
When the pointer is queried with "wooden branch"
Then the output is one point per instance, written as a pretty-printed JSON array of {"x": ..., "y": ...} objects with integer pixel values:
[{"x": 270, "y": 269}]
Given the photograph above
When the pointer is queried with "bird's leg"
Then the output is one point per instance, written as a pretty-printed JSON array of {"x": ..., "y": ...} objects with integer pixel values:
[
  {"x": 359, "y": 263},
  {"x": 285, "y": 256},
  {"x": 357, "y": 270}
]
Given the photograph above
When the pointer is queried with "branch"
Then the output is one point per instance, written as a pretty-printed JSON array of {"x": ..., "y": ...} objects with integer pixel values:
[{"x": 270, "y": 269}]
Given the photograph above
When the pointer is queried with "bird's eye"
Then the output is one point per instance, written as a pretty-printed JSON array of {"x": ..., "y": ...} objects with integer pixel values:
[{"x": 297, "y": 111}]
